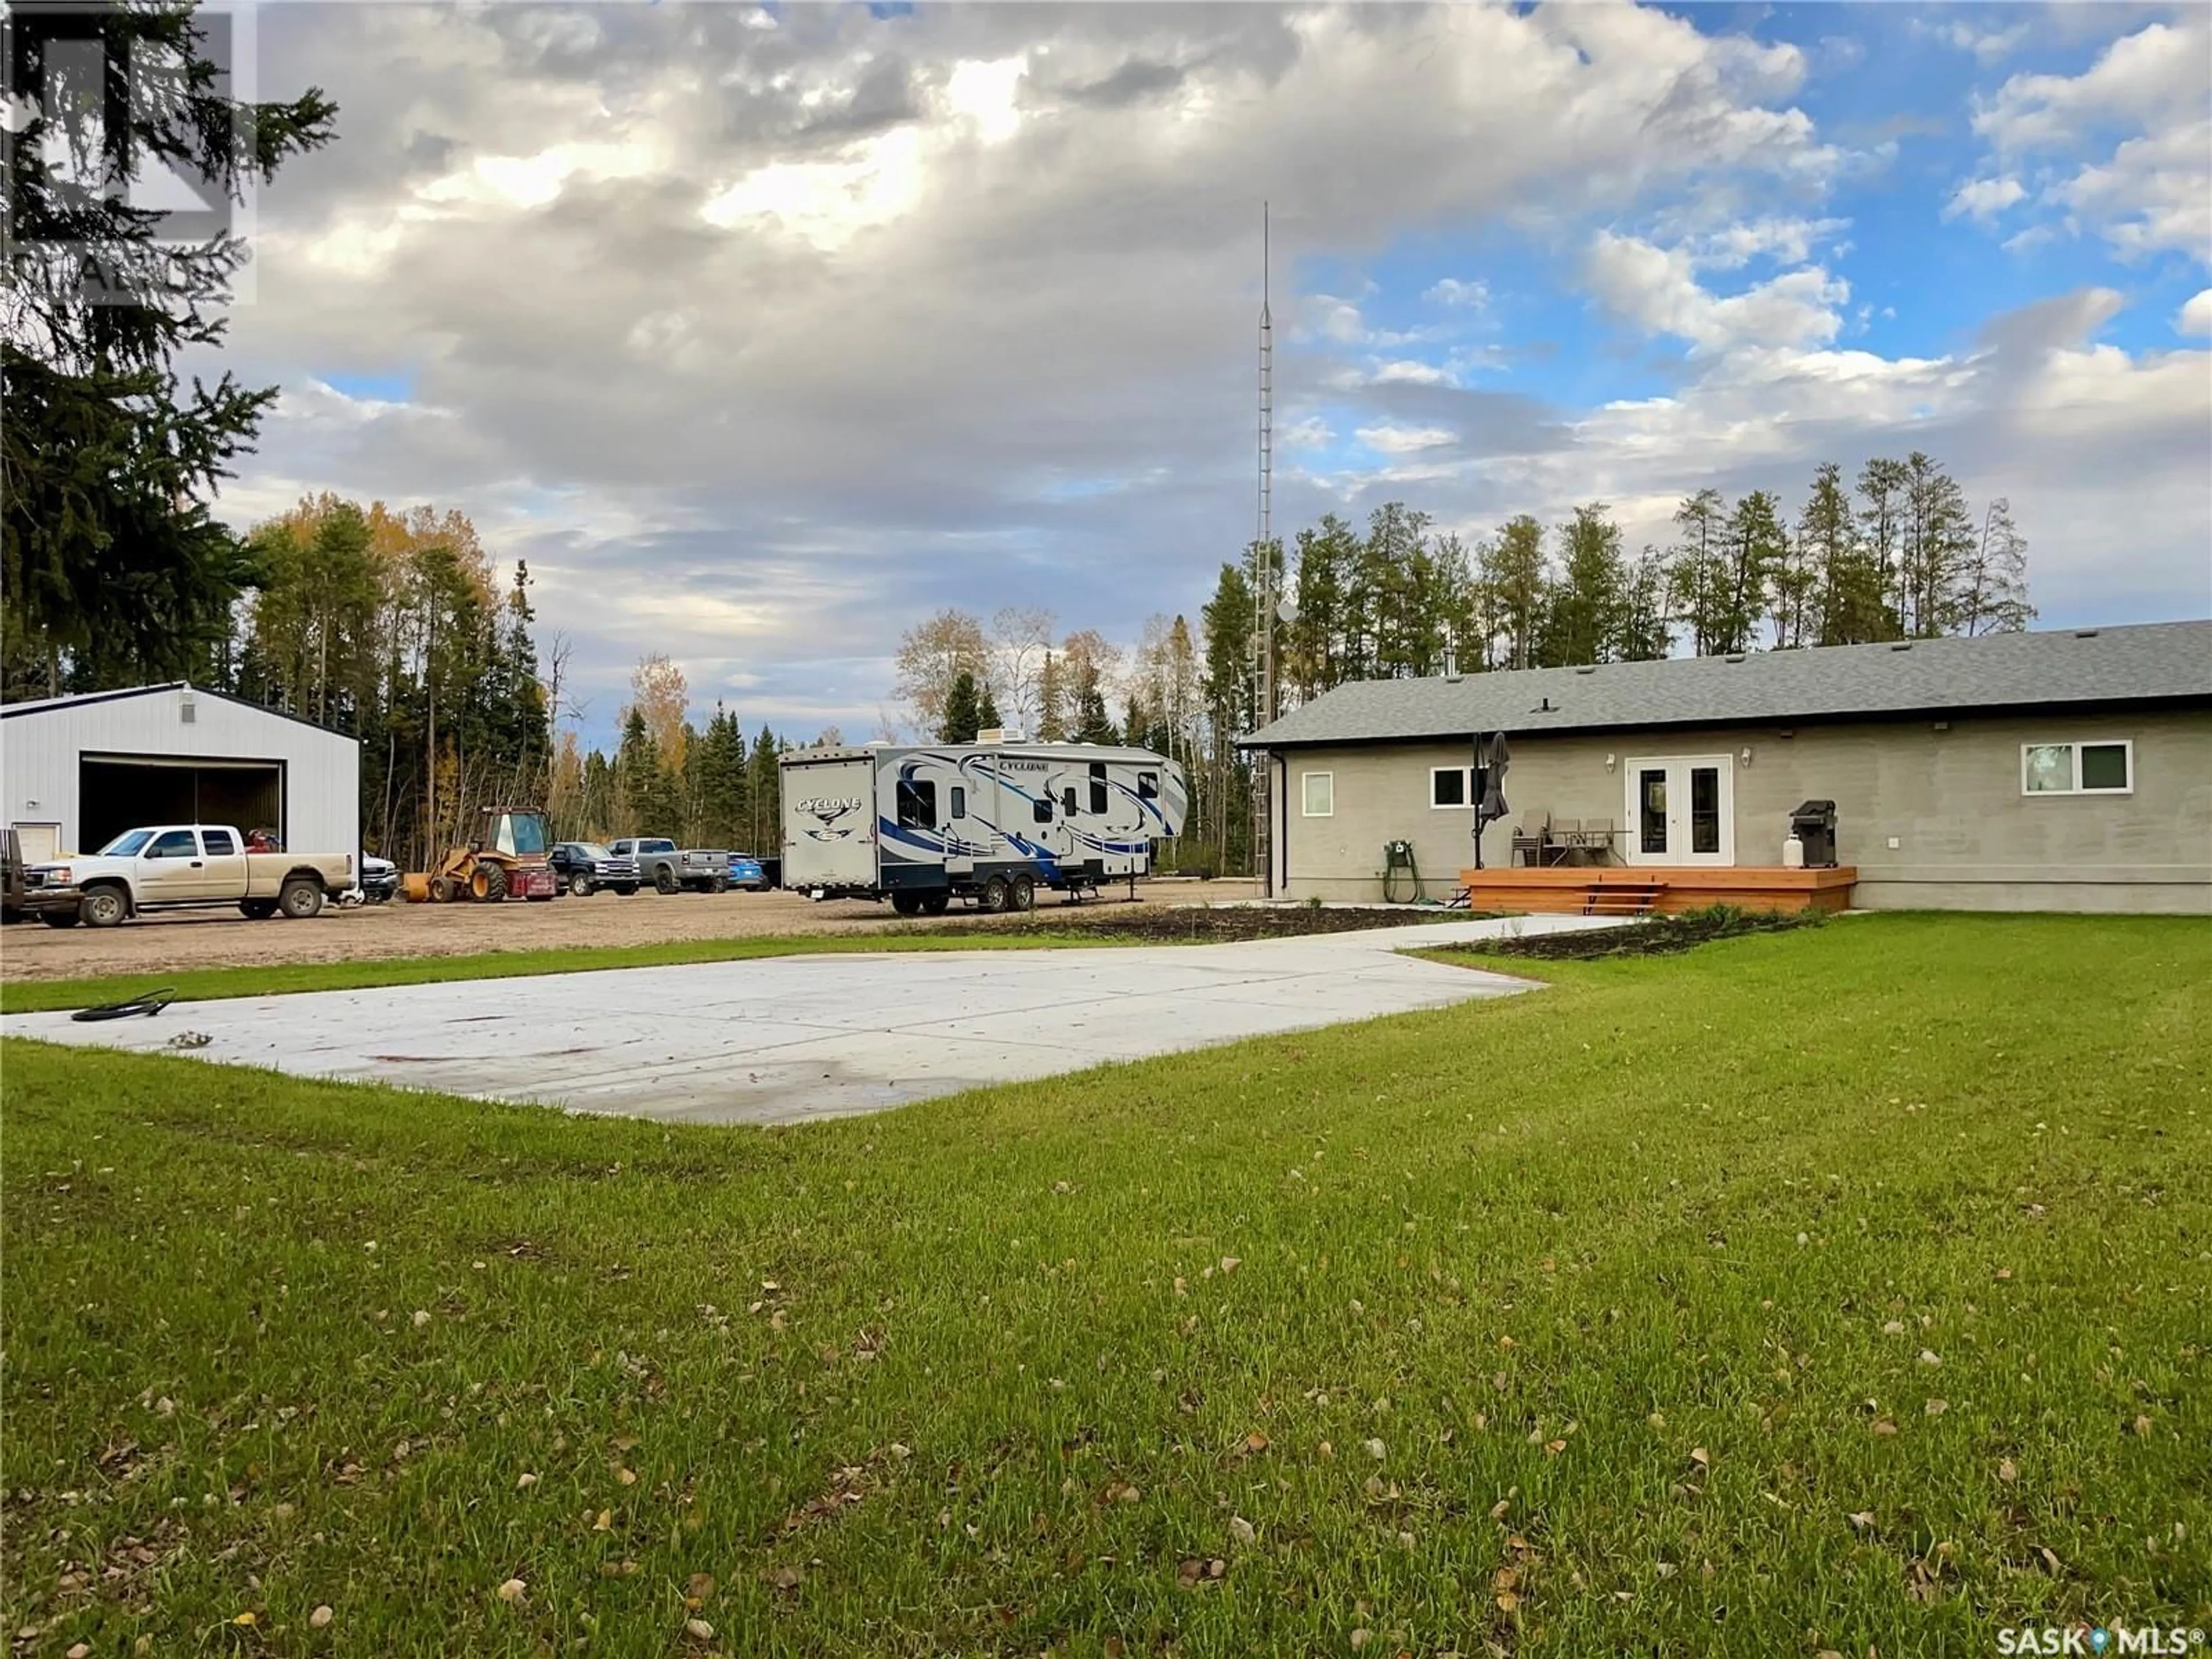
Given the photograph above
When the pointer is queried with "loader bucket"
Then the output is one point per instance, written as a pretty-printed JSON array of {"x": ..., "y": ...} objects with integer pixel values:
[{"x": 416, "y": 887}]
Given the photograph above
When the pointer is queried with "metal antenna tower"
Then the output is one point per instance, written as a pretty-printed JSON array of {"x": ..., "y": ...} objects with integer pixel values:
[{"x": 1264, "y": 573}]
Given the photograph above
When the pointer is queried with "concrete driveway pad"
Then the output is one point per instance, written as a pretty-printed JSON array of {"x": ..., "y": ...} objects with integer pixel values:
[{"x": 783, "y": 1039}]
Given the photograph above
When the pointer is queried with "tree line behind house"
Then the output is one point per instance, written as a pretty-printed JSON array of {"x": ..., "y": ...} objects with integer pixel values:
[{"x": 1898, "y": 553}]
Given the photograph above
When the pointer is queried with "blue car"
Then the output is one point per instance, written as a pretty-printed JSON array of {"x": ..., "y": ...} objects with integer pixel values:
[{"x": 746, "y": 873}]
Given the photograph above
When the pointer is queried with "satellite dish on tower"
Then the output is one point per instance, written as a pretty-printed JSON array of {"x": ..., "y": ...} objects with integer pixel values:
[{"x": 1287, "y": 611}]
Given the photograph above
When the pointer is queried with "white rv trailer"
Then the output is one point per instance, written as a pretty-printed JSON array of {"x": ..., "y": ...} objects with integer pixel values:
[{"x": 988, "y": 821}]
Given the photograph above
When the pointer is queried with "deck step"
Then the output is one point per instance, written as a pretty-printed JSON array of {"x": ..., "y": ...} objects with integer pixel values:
[{"x": 1601, "y": 900}]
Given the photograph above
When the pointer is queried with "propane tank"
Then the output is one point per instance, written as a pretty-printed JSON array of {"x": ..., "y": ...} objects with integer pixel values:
[{"x": 1793, "y": 853}]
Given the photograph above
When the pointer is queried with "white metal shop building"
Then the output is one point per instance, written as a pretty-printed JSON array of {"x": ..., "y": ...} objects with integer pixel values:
[{"x": 75, "y": 772}]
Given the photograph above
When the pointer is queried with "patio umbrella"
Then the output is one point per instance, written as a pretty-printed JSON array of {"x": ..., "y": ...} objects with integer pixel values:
[
  {"x": 1491, "y": 807},
  {"x": 1490, "y": 761}
]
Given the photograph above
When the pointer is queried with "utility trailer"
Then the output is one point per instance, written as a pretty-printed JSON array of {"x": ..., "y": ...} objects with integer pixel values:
[{"x": 986, "y": 822}]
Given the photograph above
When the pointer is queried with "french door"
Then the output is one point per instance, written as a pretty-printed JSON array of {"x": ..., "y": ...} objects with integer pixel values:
[{"x": 1681, "y": 810}]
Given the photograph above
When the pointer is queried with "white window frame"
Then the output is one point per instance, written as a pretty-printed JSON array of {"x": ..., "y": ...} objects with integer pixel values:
[
  {"x": 2074, "y": 746},
  {"x": 1305, "y": 794},
  {"x": 1467, "y": 787}
]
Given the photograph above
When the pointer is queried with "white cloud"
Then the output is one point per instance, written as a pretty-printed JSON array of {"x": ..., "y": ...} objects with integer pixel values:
[
  {"x": 1983, "y": 199},
  {"x": 2153, "y": 190},
  {"x": 1787, "y": 241},
  {"x": 1309, "y": 433},
  {"x": 1406, "y": 371},
  {"x": 1451, "y": 291},
  {"x": 1403, "y": 440},
  {"x": 2196, "y": 315},
  {"x": 1988, "y": 46},
  {"x": 1658, "y": 288}
]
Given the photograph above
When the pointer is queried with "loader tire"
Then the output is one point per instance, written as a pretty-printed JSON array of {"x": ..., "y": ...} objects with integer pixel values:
[
  {"x": 489, "y": 883},
  {"x": 441, "y": 889}
]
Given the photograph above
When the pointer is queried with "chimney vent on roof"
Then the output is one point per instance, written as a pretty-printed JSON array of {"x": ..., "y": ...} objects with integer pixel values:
[
  {"x": 1732, "y": 656},
  {"x": 1590, "y": 670},
  {"x": 1544, "y": 707}
]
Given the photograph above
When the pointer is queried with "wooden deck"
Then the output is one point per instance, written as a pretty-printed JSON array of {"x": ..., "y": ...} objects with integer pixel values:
[{"x": 1643, "y": 888}]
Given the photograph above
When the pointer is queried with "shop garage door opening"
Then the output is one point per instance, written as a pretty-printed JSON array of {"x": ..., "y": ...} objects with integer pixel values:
[{"x": 120, "y": 792}]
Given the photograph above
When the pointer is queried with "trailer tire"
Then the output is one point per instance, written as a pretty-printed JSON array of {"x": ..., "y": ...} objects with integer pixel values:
[
  {"x": 580, "y": 885},
  {"x": 1023, "y": 894},
  {"x": 103, "y": 907},
  {"x": 936, "y": 904},
  {"x": 907, "y": 904},
  {"x": 257, "y": 909},
  {"x": 299, "y": 898},
  {"x": 995, "y": 896},
  {"x": 663, "y": 880}
]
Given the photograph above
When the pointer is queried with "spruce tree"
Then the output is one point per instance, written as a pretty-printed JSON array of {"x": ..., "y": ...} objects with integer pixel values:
[
  {"x": 112, "y": 567},
  {"x": 963, "y": 711}
]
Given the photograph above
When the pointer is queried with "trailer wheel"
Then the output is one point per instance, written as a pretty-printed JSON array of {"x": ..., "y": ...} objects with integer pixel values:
[
  {"x": 907, "y": 904},
  {"x": 1023, "y": 894},
  {"x": 936, "y": 904},
  {"x": 664, "y": 879},
  {"x": 580, "y": 885},
  {"x": 995, "y": 896}
]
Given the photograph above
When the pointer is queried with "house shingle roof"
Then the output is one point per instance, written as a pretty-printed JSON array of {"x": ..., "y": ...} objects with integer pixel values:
[{"x": 2146, "y": 662}]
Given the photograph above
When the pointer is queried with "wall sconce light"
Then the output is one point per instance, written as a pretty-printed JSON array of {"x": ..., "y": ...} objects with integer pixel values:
[
  {"x": 1746, "y": 757},
  {"x": 1609, "y": 761}
]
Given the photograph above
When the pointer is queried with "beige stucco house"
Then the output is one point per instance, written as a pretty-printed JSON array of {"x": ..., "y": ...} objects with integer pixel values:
[{"x": 2059, "y": 770}]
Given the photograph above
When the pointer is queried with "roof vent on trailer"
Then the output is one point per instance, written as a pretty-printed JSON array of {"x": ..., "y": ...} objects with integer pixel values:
[{"x": 1000, "y": 734}]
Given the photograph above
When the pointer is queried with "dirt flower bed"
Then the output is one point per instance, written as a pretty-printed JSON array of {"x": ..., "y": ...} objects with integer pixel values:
[
  {"x": 1229, "y": 924},
  {"x": 1657, "y": 936}
]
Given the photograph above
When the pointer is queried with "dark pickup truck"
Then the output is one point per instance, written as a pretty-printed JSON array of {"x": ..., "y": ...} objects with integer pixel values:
[{"x": 584, "y": 867}]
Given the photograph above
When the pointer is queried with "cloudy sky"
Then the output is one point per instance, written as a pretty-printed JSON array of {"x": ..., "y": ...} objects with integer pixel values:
[{"x": 762, "y": 332}]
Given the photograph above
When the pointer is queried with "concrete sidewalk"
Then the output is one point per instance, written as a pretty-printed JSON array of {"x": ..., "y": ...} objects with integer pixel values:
[{"x": 783, "y": 1039}]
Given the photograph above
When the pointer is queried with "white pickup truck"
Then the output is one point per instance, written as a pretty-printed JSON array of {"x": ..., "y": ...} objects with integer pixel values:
[{"x": 176, "y": 866}]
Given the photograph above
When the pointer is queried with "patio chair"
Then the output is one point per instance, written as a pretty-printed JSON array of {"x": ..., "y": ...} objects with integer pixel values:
[
  {"x": 1527, "y": 847},
  {"x": 1566, "y": 840}
]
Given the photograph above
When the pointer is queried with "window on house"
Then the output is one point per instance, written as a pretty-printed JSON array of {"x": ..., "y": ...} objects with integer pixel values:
[
  {"x": 2077, "y": 769},
  {"x": 1319, "y": 794},
  {"x": 1448, "y": 786},
  {"x": 959, "y": 802},
  {"x": 917, "y": 804}
]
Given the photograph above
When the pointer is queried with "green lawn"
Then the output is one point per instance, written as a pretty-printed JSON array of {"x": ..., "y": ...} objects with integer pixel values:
[{"x": 1842, "y": 1289}]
